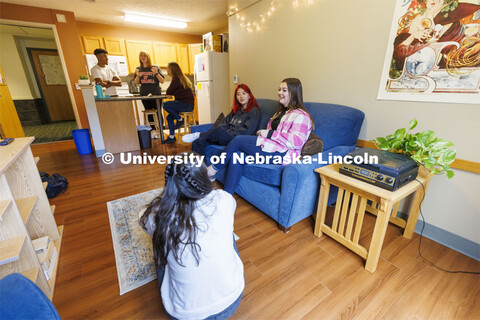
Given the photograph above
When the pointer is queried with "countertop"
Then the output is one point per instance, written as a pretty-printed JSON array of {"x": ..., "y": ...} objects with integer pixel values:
[{"x": 130, "y": 97}]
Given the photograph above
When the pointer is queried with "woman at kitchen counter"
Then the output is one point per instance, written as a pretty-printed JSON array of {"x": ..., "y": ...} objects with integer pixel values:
[
  {"x": 181, "y": 88},
  {"x": 149, "y": 76}
]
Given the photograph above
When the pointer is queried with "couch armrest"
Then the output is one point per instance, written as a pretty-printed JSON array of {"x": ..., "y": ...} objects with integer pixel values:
[
  {"x": 300, "y": 185},
  {"x": 201, "y": 127}
]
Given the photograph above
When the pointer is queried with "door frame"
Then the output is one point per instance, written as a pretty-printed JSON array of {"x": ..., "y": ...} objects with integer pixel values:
[{"x": 60, "y": 54}]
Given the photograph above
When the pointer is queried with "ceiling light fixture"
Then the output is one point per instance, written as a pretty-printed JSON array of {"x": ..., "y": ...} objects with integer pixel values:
[{"x": 157, "y": 21}]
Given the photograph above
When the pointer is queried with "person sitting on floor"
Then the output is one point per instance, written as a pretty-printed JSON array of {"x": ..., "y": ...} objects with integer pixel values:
[
  {"x": 181, "y": 88},
  {"x": 243, "y": 119},
  {"x": 199, "y": 271},
  {"x": 286, "y": 134}
]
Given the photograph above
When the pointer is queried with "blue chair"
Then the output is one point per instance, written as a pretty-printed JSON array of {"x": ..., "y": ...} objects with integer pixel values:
[
  {"x": 289, "y": 194},
  {"x": 21, "y": 299}
]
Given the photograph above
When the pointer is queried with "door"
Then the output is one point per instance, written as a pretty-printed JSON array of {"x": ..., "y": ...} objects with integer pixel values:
[
  {"x": 182, "y": 57},
  {"x": 115, "y": 46},
  {"x": 10, "y": 126},
  {"x": 53, "y": 86},
  {"x": 163, "y": 53},
  {"x": 90, "y": 43},
  {"x": 204, "y": 100}
]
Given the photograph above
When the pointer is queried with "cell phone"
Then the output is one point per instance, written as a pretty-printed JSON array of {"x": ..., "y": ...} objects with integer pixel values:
[{"x": 6, "y": 141}]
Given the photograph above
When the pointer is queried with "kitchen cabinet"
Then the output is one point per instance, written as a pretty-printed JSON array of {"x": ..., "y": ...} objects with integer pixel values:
[
  {"x": 193, "y": 49},
  {"x": 163, "y": 53},
  {"x": 182, "y": 57},
  {"x": 115, "y": 46},
  {"x": 90, "y": 43},
  {"x": 133, "y": 49}
]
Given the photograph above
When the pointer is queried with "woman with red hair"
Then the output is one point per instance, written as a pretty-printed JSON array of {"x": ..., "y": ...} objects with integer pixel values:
[{"x": 242, "y": 120}]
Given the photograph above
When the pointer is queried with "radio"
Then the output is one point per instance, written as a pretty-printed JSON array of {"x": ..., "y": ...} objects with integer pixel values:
[{"x": 392, "y": 171}]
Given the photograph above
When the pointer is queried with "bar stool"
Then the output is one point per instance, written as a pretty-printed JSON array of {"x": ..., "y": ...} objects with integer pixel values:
[
  {"x": 187, "y": 116},
  {"x": 154, "y": 122}
]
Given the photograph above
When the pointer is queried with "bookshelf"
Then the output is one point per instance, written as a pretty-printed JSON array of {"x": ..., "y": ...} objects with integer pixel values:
[{"x": 25, "y": 216}]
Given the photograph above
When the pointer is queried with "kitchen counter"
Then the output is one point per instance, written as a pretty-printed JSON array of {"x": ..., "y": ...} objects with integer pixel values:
[{"x": 112, "y": 121}]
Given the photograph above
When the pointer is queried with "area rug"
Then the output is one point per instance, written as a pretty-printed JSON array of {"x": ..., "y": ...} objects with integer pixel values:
[{"x": 132, "y": 246}]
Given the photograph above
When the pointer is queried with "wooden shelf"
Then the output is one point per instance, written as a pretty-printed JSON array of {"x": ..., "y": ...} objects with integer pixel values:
[
  {"x": 25, "y": 206},
  {"x": 31, "y": 218},
  {"x": 4, "y": 204},
  {"x": 10, "y": 249},
  {"x": 31, "y": 274},
  {"x": 58, "y": 245}
]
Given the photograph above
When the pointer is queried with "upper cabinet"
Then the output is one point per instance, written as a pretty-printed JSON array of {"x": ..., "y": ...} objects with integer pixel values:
[
  {"x": 133, "y": 52},
  {"x": 115, "y": 46},
  {"x": 90, "y": 43},
  {"x": 163, "y": 53},
  {"x": 182, "y": 57},
  {"x": 193, "y": 49}
]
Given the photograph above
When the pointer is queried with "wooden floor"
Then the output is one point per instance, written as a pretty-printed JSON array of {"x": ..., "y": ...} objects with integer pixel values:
[{"x": 288, "y": 276}]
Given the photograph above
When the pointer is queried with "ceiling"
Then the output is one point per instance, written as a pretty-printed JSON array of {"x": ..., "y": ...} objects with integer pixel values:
[{"x": 202, "y": 16}]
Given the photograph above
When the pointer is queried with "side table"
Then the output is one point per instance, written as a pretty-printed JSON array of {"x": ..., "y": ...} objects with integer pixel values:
[{"x": 352, "y": 202}]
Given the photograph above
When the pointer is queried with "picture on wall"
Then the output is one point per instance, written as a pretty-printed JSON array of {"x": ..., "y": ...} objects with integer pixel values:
[{"x": 433, "y": 52}]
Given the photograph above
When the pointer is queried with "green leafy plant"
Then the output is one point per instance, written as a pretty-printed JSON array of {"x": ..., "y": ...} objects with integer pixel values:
[
  {"x": 83, "y": 77},
  {"x": 424, "y": 147}
]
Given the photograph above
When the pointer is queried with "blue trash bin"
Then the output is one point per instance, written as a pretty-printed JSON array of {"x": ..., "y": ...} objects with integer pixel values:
[{"x": 82, "y": 141}]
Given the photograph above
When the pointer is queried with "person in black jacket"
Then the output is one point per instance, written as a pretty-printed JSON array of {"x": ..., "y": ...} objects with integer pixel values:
[
  {"x": 242, "y": 120},
  {"x": 181, "y": 88}
]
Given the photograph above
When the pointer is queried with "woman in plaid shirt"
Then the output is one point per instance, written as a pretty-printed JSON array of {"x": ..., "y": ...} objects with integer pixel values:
[{"x": 286, "y": 133}]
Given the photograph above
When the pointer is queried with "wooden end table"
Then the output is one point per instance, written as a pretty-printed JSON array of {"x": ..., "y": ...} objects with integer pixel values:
[{"x": 351, "y": 205}]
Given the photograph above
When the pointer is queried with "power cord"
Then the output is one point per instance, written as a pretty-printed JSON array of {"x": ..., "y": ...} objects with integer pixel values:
[{"x": 421, "y": 236}]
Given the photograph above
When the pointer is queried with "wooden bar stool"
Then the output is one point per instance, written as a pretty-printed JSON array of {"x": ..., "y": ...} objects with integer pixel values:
[
  {"x": 154, "y": 122},
  {"x": 187, "y": 116}
]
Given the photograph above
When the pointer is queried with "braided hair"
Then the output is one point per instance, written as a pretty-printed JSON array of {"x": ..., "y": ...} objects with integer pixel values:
[{"x": 176, "y": 228}]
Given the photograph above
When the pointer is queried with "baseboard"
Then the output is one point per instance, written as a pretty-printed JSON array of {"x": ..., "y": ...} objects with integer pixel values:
[{"x": 448, "y": 239}]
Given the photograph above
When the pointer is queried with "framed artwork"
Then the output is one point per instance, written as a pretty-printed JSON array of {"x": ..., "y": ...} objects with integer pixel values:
[{"x": 433, "y": 52}]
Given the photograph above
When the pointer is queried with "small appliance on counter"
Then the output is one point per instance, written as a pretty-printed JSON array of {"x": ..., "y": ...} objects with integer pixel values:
[{"x": 392, "y": 171}]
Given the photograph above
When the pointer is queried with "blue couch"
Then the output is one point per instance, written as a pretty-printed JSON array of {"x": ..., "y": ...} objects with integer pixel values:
[{"x": 289, "y": 193}]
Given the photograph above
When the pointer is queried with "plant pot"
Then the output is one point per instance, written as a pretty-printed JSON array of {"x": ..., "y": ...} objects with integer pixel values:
[{"x": 84, "y": 82}]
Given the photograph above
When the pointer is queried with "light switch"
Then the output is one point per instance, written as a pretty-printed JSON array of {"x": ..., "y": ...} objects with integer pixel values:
[{"x": 235, "y": 79}]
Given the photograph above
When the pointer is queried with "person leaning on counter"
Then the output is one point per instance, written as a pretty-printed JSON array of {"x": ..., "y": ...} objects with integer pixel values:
[
  {"x": 103, "y": 74},
  {"x": 149, "y": 76}
]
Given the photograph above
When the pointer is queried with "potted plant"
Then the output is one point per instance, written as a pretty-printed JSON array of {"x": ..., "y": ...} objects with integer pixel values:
[
  {"x": 84, "y": 80},
  {"x": 424, "y": 147}
]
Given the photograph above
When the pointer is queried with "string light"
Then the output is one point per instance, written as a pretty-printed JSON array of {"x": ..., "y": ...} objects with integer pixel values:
[{"x": 257, "y": 23}]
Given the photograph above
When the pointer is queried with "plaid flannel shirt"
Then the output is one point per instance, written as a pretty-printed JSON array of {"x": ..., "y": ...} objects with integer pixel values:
[{"x": 291, "y": 134}]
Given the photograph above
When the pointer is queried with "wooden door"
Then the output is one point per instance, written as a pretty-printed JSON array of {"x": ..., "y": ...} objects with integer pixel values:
[
  {"x": 182, "y": 57},
  {"x": 115, "y": 46},
  {"x": 164, "y": 52},
  {"x": 53, "y": 86},
  {"x": 10, "y": 125},
  {"x": 90, "y": 43},
  {"x": 193, "y": 49},
  {"x": 133, "y": 51}
]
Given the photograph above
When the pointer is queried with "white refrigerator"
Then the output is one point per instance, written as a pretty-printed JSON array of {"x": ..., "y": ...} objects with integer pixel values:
[{"x": 212, "y": 85}]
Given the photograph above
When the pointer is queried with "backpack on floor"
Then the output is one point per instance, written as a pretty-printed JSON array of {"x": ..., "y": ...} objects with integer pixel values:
[{"x": 56, "y": 184}]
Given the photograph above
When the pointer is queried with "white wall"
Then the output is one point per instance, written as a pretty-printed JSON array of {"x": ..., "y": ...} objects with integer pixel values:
[
  {"x": 13, "y": 69},
  {"x": 16, "y": 64},
  {"x": 337, "y": 49}
]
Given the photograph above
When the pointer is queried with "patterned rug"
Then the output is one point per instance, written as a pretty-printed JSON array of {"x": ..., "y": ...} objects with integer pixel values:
[{"x": 132, "y": 246}]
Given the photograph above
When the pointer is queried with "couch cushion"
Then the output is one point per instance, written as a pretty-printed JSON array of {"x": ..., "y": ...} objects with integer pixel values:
[
  {"x": 335, "y": 124},
  {"x": 267, "y": 108},
  {"x": 270, "y": 174}
]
